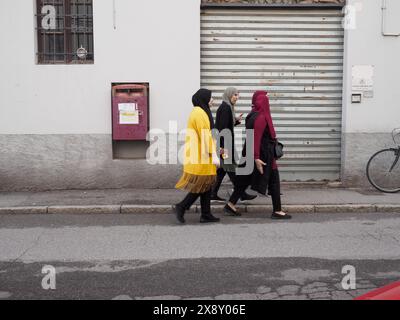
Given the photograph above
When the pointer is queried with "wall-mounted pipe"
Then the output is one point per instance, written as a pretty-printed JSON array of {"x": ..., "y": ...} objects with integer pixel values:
[
  {"x": 384, "y": 12},
  {"x": 114, "y": 15}
]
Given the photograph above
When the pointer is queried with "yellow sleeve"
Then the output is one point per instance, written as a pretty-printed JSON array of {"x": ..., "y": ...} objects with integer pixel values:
[{"x": 203, "y": 129}]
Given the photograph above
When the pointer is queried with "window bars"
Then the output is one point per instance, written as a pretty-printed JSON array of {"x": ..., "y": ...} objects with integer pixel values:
[{"x": 64, "y": 31}]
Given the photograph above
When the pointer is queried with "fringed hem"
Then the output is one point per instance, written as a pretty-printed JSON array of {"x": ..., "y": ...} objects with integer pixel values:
[{"x": 195, "y": 183}]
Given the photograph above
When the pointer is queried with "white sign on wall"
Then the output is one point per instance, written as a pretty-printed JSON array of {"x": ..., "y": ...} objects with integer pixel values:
[{"x": 363, "y": 80}]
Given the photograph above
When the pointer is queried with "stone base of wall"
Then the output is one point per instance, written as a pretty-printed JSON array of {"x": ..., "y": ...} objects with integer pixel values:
[
  {"x": 59, "y": 162},
  {"x": 357, "y": 150}
]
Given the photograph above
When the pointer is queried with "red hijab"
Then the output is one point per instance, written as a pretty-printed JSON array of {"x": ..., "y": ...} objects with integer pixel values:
[
  {"x": 262, "y": 107},
  {"x": 256, "y": 95}
]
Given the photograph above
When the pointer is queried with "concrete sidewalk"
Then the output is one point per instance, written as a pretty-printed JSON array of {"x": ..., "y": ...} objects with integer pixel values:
[{"x": 297, "y": 198}]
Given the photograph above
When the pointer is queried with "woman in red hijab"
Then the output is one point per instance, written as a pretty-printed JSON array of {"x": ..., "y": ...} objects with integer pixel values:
[{"x": 265, "y": 175}]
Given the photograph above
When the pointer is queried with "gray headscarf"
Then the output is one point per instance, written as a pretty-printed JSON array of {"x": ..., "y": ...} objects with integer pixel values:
[{"x": 227, "y": 96}]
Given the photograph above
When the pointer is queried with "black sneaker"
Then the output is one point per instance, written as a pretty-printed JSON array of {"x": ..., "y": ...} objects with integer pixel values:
[
  {"x": 215, "y": 197},
  {"x": 230, "y": 212},
  {"x": 179, "y": 213},
  {"x": 247, "y": 197},
  {"x": 209, "y": 218},
  {"x": 276, "y": 216}
]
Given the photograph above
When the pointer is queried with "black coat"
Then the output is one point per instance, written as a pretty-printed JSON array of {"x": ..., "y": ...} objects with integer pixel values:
[
  {"x": 224, "y": 120},
  {"x": 259, "y": 182}
]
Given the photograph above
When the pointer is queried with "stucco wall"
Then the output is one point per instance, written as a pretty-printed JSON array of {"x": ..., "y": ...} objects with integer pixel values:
[
  {"x": 367, "y": 126},
  {"x": 55, "y": 121},
  {"x": 149, "y": 45}
]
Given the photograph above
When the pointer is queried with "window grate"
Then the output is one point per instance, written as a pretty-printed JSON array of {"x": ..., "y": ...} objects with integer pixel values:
[{"x": 64, "y": 31}]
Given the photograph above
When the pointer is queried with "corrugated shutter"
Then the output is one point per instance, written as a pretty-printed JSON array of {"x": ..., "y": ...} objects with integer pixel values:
[{"x": 297, "y": 55}]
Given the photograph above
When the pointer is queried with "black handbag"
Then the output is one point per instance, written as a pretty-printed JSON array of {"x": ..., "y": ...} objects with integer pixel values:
[{"x": 278, "y": 150}]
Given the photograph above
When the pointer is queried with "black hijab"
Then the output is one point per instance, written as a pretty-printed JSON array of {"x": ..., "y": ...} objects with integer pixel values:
[{"x": 201, "y": 99}]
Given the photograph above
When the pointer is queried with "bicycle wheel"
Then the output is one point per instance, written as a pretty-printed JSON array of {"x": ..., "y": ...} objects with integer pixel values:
[{"x": 383, "y": 170}]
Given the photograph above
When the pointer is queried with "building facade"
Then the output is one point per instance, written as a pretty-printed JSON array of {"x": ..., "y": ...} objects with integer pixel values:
[{"x": 330, "y": 67}]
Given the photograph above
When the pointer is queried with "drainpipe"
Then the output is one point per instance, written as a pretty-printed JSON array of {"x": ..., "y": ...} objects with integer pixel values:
[
  {"x": 384, "y": 12},
  {"x": 114, "y": 16}
]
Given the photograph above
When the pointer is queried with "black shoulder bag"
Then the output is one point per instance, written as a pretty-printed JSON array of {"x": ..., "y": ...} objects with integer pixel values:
[{"x": 278, "y": 150}]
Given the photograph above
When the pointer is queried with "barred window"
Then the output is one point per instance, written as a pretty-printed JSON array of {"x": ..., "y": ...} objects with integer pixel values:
[{"x": 64, "y": 31}]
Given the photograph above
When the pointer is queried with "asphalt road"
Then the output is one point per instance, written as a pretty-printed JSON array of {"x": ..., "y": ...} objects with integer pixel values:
[{"x": 150, "y": 257}]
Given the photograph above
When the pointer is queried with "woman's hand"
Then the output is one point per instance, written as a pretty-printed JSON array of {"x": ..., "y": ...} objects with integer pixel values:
[
  {"x": 224, "y": 153},
  {"x": 239, "y": 119},
  {"x": 260, "y": 165},
  {"x": 215, "y": 160}
]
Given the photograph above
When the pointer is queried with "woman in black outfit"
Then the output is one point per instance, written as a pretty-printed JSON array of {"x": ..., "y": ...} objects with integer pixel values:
[
  {"x": 265, "y": 174},
  {"x": 226, "y": 120}
]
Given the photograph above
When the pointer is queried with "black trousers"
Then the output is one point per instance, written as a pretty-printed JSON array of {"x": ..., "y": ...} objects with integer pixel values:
[
  {"x": 220, "y": 177},
  {"x": 274, "y": 187},
  {"x": 205, "y": 201}
]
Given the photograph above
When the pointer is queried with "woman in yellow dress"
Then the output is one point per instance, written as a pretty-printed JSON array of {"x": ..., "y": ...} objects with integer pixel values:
[{"x": 200, "y": 159}]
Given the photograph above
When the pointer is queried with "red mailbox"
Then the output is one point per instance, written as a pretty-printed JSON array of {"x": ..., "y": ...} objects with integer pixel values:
[{"x": 130, "y": 112}]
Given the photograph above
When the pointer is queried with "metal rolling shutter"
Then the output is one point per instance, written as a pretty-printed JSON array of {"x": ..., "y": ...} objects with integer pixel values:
[{"x": 297, "y": 55}]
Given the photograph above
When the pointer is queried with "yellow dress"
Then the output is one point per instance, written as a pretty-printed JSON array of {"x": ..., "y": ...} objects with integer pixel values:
[{"x": 199, "y": 172}]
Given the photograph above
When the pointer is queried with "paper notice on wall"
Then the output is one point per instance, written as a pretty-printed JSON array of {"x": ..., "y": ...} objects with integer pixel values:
[
  {"x": 127, "y": 107},
  {"x": 129, "y": 117},
  {"x": 363, "y": 79},
  {"x": 128, "y": 113}
]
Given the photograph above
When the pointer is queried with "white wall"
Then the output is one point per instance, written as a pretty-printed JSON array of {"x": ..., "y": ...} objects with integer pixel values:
[
  {"x": 366, "y": 46},
  {"x": 160, "y": 44},
  {"x": 155, "y": 42}
]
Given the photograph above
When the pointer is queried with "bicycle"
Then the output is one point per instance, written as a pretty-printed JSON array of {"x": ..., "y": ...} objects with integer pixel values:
[{"x": 383, "y": 169}]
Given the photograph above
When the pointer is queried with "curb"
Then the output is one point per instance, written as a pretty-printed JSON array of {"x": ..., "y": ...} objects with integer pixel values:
[
  {"x": 24, "y": 210},
  {"x": 166, "y": 209},
  {"x": 353, "y": 208},
  {"x": 83, "y": 209}
]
